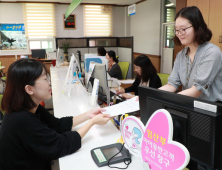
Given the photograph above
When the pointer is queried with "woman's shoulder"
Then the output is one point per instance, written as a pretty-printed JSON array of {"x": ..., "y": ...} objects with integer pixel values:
[
  {"x": 19, "y": 117},
  {"x": 116, "y": 65},
  {"x": 154, "y": 76},
  {"x": 210, "y": 50},
  {"x": 155, "y": 81},
  {"x": 211, "y": 47}
]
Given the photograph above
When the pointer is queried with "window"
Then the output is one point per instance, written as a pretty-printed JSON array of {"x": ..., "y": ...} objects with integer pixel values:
[
  {"x": 98, "y": 20},
  {"x": 39, "y": 20},
  {"x": 47, "y": 44},
  {"x": 170, "y": 11}
]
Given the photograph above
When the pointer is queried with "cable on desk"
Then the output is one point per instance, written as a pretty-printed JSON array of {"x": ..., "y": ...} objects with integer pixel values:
[{"x": 126, "y": 161}]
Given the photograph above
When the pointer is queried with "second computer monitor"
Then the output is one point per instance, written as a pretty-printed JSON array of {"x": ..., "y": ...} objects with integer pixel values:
[
  {"x": 99, "y": 72},
  {"x": 197, "y": 129},
  {"x": 38, "y": 53}
]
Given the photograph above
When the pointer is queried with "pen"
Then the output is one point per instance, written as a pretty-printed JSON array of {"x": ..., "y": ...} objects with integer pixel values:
[{"x": 116, "y": 121}]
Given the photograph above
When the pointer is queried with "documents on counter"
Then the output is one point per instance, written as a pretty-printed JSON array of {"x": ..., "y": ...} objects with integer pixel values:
[{"x": 128, "y": 106}]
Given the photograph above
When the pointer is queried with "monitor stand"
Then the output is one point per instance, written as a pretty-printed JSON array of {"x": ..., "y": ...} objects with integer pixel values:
[{"x": 108, "y": 96}]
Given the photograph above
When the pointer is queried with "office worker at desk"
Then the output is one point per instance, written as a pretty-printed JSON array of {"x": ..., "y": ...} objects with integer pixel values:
[
  {"x": 198, "y": 67},
  {"x": 30, "y": 137},
  {"x": 146, "y": 76},
  {"x": 114, "y": 69},
  {"x": 101, "y": 51}
]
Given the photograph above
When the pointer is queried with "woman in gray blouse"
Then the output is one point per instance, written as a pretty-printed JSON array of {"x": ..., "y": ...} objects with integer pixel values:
[
  {"x": 198, "y": 67},
  {"x": 114, "y": 69}
]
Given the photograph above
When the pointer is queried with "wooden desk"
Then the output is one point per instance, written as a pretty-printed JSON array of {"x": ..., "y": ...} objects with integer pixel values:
[{"x": 47, "y": 64}]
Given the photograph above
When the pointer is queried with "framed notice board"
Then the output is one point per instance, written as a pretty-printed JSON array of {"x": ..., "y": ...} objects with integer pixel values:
[{"x": 70, "y": 22}]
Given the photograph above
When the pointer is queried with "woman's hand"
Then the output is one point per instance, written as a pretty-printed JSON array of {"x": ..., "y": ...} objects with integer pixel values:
[
  {"x": 101, "y": 119},
  {"x": 121, "y": 90},
  {"x": 127, "y": 96},
  {"x": 137, "y": 99},
  {"x": 94, "y": 112}
]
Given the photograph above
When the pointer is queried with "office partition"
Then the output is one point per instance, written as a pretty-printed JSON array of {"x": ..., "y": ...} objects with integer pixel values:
[{"x": 123, "y": 47}]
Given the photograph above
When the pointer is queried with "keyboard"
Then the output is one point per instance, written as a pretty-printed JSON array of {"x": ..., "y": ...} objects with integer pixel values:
[{"x": 103, "y": 97}]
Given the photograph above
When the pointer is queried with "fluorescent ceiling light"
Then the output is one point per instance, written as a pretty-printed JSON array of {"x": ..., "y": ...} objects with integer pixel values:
[{"x": 171, "y": 4}]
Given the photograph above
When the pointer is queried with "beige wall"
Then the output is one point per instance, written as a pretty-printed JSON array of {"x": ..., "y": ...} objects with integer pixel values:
[
  {"x": 145, "y": 27},
  {"x": 11, "y": 13}
]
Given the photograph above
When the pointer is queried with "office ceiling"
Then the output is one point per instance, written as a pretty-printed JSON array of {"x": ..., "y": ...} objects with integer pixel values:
[{"x": 117, "y": 2}]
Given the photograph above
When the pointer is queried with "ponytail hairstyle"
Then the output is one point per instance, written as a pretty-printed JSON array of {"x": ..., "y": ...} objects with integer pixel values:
[{"x": 112, "y": 54}]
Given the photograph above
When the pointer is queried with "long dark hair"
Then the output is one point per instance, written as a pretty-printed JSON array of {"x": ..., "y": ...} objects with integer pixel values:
[
  {"x": 21, "y": 73},
  {"x": 101, "y": 51},
  {"x": 147, "y": 67},
  {"x": 202, "y": 32},
  {"x": 113, "y": 54}
]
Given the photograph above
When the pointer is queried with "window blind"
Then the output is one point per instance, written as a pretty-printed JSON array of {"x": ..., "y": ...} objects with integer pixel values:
[
  {"x": 39, "y": 19},
  {"x": 170, "y": 18},
  {"x": 170, "y": 14},
  {"x": 98, "y": 20}
]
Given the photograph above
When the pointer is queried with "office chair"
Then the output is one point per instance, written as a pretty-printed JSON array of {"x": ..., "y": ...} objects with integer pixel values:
[
  {"x": 3, "y": 79},
  {"x": 1, "y": 113},
  {"x": 124, "y": 68},
  {"x": 163, "y": 78}
]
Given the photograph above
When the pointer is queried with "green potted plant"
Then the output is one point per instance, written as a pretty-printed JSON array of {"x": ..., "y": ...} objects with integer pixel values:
[{"x": 65, "y": 46}]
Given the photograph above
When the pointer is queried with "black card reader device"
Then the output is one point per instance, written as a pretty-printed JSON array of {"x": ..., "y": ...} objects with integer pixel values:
[{"x": 101, "y": 155}]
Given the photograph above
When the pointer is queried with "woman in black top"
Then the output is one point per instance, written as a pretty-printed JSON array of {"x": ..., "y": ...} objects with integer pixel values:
[
  {"x": 146, "y": 76},
  {"x": 30, "y": 137},
  {"x": 114, "y": 69}
]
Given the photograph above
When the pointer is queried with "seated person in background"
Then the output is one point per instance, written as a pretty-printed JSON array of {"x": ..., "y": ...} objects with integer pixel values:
[
  {"x": 146, "y": 76},
  {"x": 30, "y": 137},
  {"x": 101, "y": 51},
  {"x": 114, "y": 69}
]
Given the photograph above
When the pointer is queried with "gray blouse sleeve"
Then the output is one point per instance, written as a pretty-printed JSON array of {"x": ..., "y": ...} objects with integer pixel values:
[
  {"x": 208, "y": 69},
  {"x": 174, "y": 78}
]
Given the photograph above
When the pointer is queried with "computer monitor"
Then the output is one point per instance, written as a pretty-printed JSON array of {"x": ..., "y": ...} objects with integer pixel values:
[
  {"x": 58, "y": 55},
  {"x": 99, "y": 73},
  {"x": 78, "y": 58},
  {"x": 97, "y": 59},
  {"x": 90, "y": 55},
  {"x": 38, "y": 53},
  {"x": 199, "y": 130}
]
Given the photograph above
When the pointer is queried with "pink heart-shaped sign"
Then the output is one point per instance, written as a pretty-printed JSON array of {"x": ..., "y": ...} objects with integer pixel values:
[
  {"x": 153, "y": 143},
  {"x": 158, "y": 149}
]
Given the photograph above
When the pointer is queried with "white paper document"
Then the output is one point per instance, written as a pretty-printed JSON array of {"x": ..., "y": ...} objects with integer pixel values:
[
  {"x": 128, "y": 106},
  {"x": 127, "y": 81}
]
